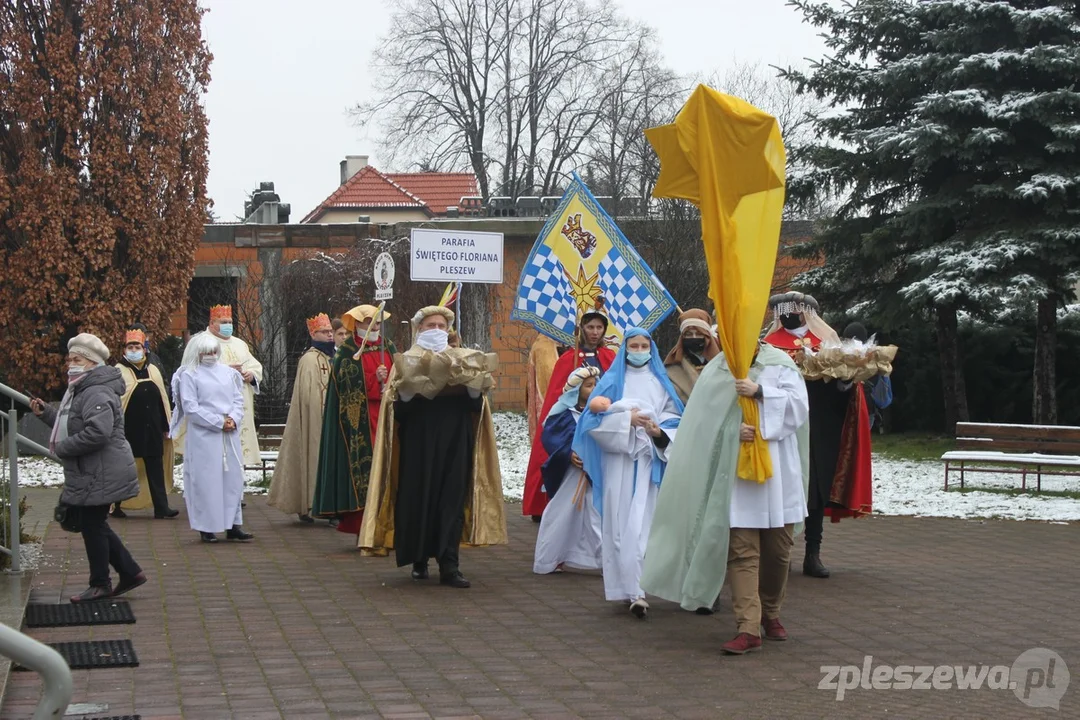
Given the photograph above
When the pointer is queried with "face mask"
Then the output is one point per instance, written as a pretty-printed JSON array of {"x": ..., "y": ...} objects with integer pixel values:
[
  {"x": 208, "y": 360},
  {"x": 790, "y": 322},
  {"x": 638, "y": 359},
  {"x": 372, "y": 336},
  {"x": 225, "y": 330},
  {"x": 434, "y": 340},
  {"x": 694, "y": 345},
  {"x": 133, "y": 356},
  {"x": 76, "y": 370}
]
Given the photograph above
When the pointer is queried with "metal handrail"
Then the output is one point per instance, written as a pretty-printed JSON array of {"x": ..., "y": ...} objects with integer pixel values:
[
  {"x": 14, "y": 440},
  {"x": 15, "y": 645},
  {"x": 14, "y": 395},
  {"x": 46, "y": 662}
]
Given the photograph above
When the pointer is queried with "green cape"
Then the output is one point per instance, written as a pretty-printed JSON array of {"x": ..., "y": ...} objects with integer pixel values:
[
  {"x": 686, "y": 558},
  {"x": 345, "y": 443}
]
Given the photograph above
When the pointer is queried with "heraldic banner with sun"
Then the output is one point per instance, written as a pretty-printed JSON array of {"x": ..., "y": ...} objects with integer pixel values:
[{"x": 582, "y": 262}]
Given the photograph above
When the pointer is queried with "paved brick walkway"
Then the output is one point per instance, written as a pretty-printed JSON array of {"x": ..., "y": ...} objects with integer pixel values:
[{"x": 297, "y": 625}]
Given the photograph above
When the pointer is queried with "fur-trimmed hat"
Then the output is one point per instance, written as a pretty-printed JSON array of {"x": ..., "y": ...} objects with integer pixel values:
[{"x": 430, "y": 310}]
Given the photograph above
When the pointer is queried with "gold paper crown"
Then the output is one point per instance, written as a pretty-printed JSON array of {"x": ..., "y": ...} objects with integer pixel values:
[
  {"x": 134, "y": 336},
  {"x": 221, "y": 312},
  {"x": 319, "y": 322}
]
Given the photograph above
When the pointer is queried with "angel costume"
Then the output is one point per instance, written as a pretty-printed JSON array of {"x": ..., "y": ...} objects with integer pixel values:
[{"x": 207, "y": 392}]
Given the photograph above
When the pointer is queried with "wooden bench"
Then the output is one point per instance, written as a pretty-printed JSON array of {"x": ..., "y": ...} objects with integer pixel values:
[
  {"x": 1014, "y": 450},
  {"x": 269, "y": 443}
]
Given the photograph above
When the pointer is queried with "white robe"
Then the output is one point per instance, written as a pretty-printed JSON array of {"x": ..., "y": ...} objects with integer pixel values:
[
  {"x": 780, "y": 500},
  {"x": 629, "y": 493},
  {"x": 213, "y": 468},
  {"x": 570, "y": 527},
  {"x": 234, "y": 351}
]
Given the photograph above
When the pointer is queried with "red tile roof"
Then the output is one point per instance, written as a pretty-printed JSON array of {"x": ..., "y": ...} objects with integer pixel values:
[
  {"x": 439, "y": 190},
  {"x": 370, "y": 189}
]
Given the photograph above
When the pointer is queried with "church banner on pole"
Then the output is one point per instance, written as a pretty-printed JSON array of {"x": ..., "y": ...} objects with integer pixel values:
[{"x": 581, "y": 261}]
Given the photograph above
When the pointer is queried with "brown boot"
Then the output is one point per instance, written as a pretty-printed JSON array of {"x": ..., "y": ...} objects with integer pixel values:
[{"x": 812, "y": 567}]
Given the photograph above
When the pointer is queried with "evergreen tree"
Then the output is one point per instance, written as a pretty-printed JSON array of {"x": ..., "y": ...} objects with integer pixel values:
[{"x": 953, "y": 137}]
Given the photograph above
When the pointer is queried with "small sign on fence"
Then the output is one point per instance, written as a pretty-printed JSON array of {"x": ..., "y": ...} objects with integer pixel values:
[{"x": 384, "y": 277}]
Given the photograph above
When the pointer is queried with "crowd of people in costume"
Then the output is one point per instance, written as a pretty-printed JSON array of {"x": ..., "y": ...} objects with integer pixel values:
[
  {"x": 634, "y": 470},
  {"x": 635, "y": 465}
]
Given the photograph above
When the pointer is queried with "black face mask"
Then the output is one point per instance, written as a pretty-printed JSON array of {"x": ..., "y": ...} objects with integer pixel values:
[
  {"x": 694, "y": 345},
  {"x": 791, "y": 322}
]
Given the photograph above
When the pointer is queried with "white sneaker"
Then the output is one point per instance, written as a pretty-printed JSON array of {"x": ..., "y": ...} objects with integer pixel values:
[{"x": 639, "y": 608}]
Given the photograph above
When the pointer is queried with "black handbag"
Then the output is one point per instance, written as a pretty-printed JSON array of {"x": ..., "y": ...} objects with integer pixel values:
[{"x": 69, "y": 517}]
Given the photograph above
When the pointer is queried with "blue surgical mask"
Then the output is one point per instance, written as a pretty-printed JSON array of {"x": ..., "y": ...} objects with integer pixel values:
[
  {"x": 638, "y": 359},
  {"x": 225, "y": 330},
  {"x": 76, "y": 370},
  {"x": 133, "y": 356}
]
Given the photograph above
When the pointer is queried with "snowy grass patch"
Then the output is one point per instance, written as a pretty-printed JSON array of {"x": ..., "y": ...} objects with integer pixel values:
[
  {"x": 512, "y": 438},
  {"x": 910, "y": 487},
  {"x": 39, "y": 472}
]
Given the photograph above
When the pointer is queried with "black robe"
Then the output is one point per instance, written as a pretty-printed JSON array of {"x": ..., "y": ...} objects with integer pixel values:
[
  {"x": 436, "y": 440},
  {"x": 828, "y": 408},
  {"x": 144, "y": 419}
]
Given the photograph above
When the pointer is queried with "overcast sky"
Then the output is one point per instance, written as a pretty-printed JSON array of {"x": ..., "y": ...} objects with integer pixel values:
[{"x": 285, "y": 73}]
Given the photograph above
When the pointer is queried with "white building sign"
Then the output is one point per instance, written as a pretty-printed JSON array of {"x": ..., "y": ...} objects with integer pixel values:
[{"x": 456, "y": 256}]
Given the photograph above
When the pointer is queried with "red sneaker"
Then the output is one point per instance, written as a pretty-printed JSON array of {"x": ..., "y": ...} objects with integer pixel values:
[
  {"x": 741, "y": 644},
  {"x": 773, "y": 629}
]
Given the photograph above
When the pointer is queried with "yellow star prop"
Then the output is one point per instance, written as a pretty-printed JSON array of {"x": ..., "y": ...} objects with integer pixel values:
[{"x": 586, "y": 289}]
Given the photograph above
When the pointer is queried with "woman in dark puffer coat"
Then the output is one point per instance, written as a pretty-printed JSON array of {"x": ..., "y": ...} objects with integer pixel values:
[{"x": 99, "y": 470}]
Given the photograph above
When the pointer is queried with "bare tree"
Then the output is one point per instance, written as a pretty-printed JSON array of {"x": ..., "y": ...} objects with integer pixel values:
[
  {"x": 515, "y": 89},
  {"x": 554, "y": 83},
  {"x": 437, "y": 82},
  {"x": 642, "y": 93}
]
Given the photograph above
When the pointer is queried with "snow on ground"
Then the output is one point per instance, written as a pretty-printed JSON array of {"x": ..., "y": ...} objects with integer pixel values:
[
  {"x": 512, "y": 437},
  {"x": 901, "y": 487},
  {"x": 39, "y": 472},
  {"x": 906, "y": 487}
]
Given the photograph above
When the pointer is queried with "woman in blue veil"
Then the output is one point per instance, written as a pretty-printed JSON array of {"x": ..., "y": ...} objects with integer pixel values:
[{"x": 624, "y": 442}]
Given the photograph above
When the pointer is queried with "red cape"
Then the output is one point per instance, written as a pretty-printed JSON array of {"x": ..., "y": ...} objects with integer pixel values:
[
  {"x": 791, "y": 344},
  {"x": 852, "y": 488},
  {"x": 534, "y": 499}
]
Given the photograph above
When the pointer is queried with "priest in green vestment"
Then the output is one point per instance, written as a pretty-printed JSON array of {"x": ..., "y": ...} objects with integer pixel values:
[{"x": 350, "y": 421}]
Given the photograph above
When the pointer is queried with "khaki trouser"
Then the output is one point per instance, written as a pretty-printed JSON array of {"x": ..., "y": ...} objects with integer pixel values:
[{"x": 758, "y": 572}]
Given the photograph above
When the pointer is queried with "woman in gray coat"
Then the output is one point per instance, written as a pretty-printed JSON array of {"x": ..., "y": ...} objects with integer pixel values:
[{"x": 88, "y": 436}]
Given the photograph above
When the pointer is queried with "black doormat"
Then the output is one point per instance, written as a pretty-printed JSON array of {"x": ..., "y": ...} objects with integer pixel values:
[
  {"x": 109, "y": 612},
  {"x": 95, "y": 654}
]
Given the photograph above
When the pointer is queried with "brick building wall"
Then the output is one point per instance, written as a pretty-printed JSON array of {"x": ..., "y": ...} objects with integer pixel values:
[{"x": 247, "y": 252}]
